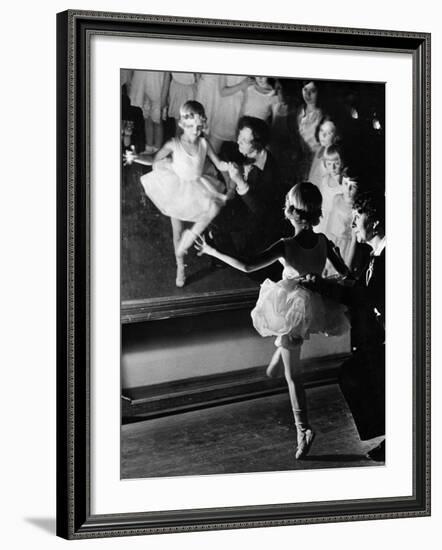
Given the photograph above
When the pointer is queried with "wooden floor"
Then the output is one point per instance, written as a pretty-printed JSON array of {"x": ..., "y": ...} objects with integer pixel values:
[{"x": 257, "y": 435}]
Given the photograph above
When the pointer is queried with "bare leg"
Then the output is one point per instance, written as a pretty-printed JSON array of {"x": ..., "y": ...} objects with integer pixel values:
[
  {"x": 148, "y": 128},
  {"x": 158, "y": 133},
  {"x": 293, "y": 375},
  {"x": 197, "y": 229},
  {"x": 177, "y": 231},
  {"x": 275, "y": 368}
]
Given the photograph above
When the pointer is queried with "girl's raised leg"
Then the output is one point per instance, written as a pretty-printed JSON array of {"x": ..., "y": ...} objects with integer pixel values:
[
  {"x": 190, "y": 235},
  {"x": 293, "y": 375}
]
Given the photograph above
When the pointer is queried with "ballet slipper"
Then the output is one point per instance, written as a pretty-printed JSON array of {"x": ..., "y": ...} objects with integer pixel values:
[
  {"x": 305, "y": 441},
  {"x": 187, "y": 239},
  {"x": 274, "y": 368},
  {"x": 180, "y": 280}
]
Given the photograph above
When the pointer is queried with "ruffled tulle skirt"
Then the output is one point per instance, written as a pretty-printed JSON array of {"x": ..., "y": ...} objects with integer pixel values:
[
  {"x": 288, "y": 309},
  {"x": 183, "y": 199}
]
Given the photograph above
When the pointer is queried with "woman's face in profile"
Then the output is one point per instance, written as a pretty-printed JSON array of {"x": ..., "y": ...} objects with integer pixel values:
[
  {"x": 361, "y": 226},
  {"x": 310, "y": 93},
  {"x": 245, "y": 142}
]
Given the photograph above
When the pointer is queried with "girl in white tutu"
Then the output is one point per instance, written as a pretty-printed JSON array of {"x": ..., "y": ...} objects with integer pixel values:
[
  {"x": 178, "y": 187},
  {"x": 286, "y": 309}
]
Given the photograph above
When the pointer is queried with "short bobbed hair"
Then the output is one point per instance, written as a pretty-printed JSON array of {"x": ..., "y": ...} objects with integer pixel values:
[{"x": 304, "y": 203}]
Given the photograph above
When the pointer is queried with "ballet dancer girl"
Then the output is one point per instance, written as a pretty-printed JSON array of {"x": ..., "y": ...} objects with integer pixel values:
[
  {"x": 178, "y": 187},
  {"x": 286, "y": 309}
]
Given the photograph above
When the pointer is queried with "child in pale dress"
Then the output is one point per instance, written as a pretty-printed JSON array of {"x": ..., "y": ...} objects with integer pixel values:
[
  {"x": 207, "y": 93},
  {"x": 339, "y": 223},
  {"x": 225, "y": 117},
  {"x": 288, "y": 310},
  {"x": 179, "y": 188},
  {"x": 181, "y": 88},
  {"x": 326, "y": 172},
  {"x": 148, "y": 90},
  {"x": 309, "y": 116},
  {"x": 260, "y": 98},
  {"x": 326, "y": 135}
]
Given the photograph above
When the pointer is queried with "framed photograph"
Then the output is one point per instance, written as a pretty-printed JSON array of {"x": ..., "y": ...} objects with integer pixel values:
[{"x": 235, "y": 347}]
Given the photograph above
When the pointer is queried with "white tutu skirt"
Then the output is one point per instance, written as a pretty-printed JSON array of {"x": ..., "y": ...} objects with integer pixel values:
[
  {"x": 287, "y": 308},
  {"x": 184, "y": 199}
]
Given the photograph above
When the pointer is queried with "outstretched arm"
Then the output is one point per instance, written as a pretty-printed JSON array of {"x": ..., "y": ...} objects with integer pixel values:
[
  {"x": 221, "y": 165},
  {"x": 225, "y": 90},
  {"x": 264, "y": 259}
]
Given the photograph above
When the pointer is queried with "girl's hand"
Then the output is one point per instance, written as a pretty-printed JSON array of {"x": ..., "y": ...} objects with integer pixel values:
[
  {"x": 128, "y": 157},
  {"x": 202, "y": 247},
  {"x": 248, "y": 81},
  {"x": 234, "y": 171}
]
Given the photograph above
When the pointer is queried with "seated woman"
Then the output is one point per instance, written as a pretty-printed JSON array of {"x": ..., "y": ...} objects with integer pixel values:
[{"x": 251, "y": 219}]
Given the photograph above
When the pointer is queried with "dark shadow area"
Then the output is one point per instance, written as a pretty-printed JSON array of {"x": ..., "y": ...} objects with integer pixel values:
[{"x": 45, "y": 524}]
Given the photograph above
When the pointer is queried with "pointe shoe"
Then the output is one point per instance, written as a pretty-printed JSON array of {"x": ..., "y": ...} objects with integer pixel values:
[
  {"x": 186, "y": 241},
  {"x": 274, "y": 368},
  {"x": 305, "y": 441},
  {"x": 180, "y": 280}
]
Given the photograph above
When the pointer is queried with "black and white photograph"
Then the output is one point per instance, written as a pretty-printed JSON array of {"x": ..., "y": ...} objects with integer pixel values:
[{"x": 252, "y": 257}]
